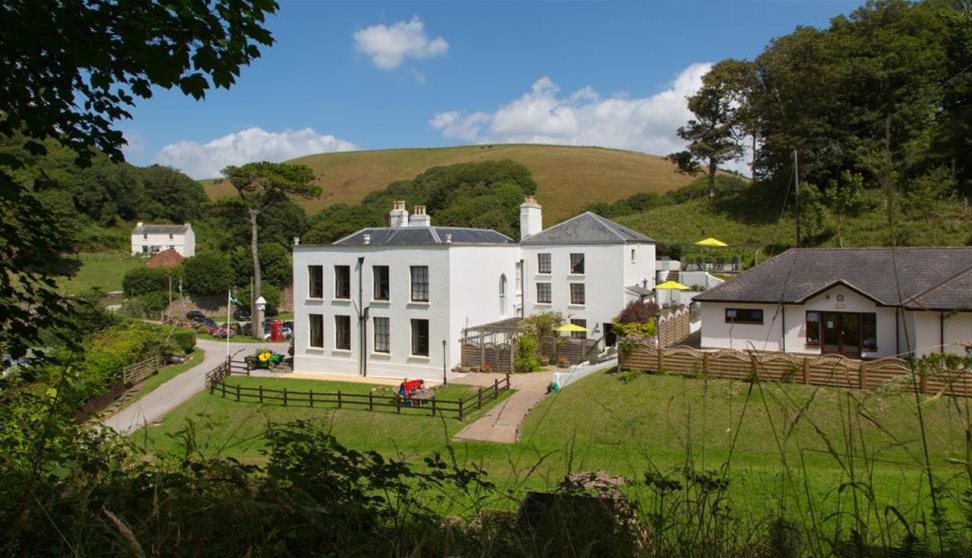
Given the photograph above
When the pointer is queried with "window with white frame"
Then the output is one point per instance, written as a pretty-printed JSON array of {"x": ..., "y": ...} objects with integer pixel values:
[
  {"x": 543, "y": 293},
  {"x": 382, "y": 286},
  {"x": 342, "y": 332},
  {"x": 420, "y": 337},
  {"x": 316, "y": 323},
  {"x": 577, "y": 293},
  {"x": 420, "y": 283},
  {"x": 342, "y": 281},
  {"x": 382, "y": 335},
  {"x": 543, "y": 263},
  {"x": 577, "y": 264},
  {"x": 315, "y": 281}
]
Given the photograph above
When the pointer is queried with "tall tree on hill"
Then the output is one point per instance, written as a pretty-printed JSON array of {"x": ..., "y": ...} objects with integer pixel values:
[
  {"x": 716, "y": 132},
  {"x": 262, "y": 186},
  {"x": 69, "y": 71}
]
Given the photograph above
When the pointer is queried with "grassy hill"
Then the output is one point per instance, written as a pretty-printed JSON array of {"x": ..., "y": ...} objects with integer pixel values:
[{"x": 570, "y": 178}]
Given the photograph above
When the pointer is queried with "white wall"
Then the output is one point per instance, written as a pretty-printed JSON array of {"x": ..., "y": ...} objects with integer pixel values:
[
  {"x": 183, "y": 244},
  {"x": 400, "y": 310},
  {"x": 770, "y": 337},
  {"x": 936, "y": 332},
  {"x": 475, "y": 273},
  {"x": 642, "y": 267},
  {"x": 717, "y": 334},
  {"x": 604, "y": 273}
]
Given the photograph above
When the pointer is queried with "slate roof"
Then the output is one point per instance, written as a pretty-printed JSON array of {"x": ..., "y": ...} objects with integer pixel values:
[
  {"x": 408, "y": 236},
  {"x": 587, "y": 228},
  {"x": 161, "y": 229},
  {"x": 915, "y": 278}
]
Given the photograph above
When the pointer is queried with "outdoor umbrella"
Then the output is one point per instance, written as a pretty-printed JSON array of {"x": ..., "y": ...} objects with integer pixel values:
[
  {"x": 571, "y": 328},
  {"x": 711, "y": 243},
  {"x": 671, "y": 286}
]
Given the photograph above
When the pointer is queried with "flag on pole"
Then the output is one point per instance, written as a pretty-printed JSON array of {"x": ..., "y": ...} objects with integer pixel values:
[{"x": 235, "y": 301}]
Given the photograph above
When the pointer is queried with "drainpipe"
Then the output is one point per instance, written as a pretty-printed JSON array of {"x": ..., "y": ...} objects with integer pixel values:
[
  {"x": 523, "y": 289},
  {"x": 362, "y": 359},
  {"x": 941, "y": 333}
]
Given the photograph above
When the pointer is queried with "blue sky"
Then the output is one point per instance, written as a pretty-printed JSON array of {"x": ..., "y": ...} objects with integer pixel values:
[{"x": 374, "y": 75}]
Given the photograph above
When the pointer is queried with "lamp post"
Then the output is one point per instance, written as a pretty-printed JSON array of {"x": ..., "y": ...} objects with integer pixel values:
[
  {"x": 445, "y": 380},
  {"x": 261, "y": 306}
]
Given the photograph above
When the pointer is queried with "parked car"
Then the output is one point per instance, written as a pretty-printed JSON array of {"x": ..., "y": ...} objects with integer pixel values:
[
  {"x": 242, "y": 314},
  {"x": 195, "y": 316},
  {"x": 223, "y": 331}
]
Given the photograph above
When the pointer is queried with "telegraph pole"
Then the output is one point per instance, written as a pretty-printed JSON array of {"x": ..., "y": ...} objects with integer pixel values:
[{"x": 796, "y": 182}]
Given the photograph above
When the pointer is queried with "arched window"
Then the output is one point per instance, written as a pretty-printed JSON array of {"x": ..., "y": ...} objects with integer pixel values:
[{"x": 502, "y": 285}]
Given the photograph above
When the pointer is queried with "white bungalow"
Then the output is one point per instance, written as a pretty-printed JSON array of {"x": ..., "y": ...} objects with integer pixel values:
[
  {"x": 860, "y": 302},
  {"x": 407, "y": 291},
  {"x": 148, "y": 240}
]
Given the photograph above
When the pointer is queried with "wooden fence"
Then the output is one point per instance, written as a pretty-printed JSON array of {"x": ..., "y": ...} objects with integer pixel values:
[
  {"x": 132, "y": 375},
  {"x": 826, "y": 370},
  {"x": 459, "y": 408},
  {"x": 673, "y": 327}
]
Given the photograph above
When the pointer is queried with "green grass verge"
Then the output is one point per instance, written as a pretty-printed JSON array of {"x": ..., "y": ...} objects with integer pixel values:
[
  {"x": 786, "y": 448},
  {"x": 166, "y": 373},
  {"x": 103, "y": 271},
  {"x": 228, "y": 427}
]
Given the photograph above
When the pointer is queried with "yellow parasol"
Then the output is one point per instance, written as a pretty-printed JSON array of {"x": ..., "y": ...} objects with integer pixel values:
[
  {"x": 711, "y": 243},
  {"x": 570, "y": 328},
  {"x": 671, "y": 285}
]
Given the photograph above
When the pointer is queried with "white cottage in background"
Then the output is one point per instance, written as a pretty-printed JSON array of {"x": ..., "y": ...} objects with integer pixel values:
[
  {"x": 407, "y": 291},
  {"x": 152, "y": 239},
  {"x": 859, "y": 302}
]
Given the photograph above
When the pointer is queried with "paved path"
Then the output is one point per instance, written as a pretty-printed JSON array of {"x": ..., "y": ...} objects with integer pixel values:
[
  {"x": 502, "y": 423},
  {"x": 178, "y": 390}
]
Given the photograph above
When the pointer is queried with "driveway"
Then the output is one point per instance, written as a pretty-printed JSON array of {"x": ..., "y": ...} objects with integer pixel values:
[{"x": 154, "y": 406}]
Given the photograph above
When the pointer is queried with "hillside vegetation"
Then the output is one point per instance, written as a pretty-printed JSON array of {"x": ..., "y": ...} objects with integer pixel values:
[{"x": 569, "y": 178}]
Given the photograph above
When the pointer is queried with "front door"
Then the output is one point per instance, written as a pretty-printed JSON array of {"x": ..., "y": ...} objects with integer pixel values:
[
  {"x": 842, "y": 333},
  {"x": 610, "y": 338}
]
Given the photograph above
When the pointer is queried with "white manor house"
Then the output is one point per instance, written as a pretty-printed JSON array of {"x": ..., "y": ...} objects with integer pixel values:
[{"x": 394, "y": 301}]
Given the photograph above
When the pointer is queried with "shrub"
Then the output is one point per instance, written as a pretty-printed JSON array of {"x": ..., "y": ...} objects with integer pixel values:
[
  {"x": 144, "y": 280},
  {"x": 154, "y": 301},
  {"x": 527, "y": 354},
  {"x": 184, "y": 339},
  {"x": 637, "y": 311}
]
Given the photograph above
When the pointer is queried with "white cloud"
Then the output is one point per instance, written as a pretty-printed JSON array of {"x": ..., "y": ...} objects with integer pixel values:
[
  {"x": 246, "y": 146},
  {"x": 584, "y": 117},
  {"x": 389, "y": 45}
]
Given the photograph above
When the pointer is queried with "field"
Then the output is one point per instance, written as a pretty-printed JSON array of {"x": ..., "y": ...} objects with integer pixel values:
[
  {"x": 569, "y": 178},
  {"x": 104, "y": 271},
  {"x": 788, "y": 450},
  {"x": 740, "y": 223}
]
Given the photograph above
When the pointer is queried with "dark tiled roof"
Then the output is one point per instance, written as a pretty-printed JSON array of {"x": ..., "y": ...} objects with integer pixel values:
[
  {"x": 587, "y": 228},
  {"x": 405, "y": 236},
  {"x": 920, "y": 278},
  {"x": 161, "y": 229},
  {"x": 638, "y": 290}
]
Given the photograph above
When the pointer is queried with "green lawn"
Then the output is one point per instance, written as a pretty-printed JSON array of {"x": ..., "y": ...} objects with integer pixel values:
[
  {"x": 166, "y": 373},
  {"x": 236, "y": 428},
  {"x": 104, "y": 271},
  {"x": 784, "y": 445}
]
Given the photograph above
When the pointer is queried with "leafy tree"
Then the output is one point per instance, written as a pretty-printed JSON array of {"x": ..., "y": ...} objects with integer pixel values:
[
  {"x": 274, "y": 261},
  {"x": 340, "y": 220},
  {"x": 714, "y": 134},
  {"x": 96, "y": 58},
  {"x": 844, "y": 198},
  {"x": 262, "y": 186},
  {"x": 171, "y": 195},
  {"x": 208, "y": 273},
  {"x": 637, "y": 312}
]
